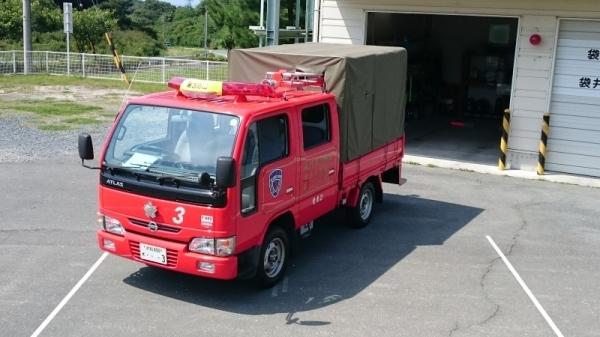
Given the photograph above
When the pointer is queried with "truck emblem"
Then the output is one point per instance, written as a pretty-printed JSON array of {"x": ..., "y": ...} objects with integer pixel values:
[
  {"x": 150, "y": 210},
  {"x": 275, "y": 182},
  {"x": 152, "y": 226}
]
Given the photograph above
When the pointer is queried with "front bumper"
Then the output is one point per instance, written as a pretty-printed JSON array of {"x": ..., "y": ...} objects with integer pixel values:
[{"x": 179, "y": 258}]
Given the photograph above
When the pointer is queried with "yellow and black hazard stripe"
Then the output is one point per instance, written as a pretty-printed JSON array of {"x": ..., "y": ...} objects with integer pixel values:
[
  {"x": 116, "y": 57},
  {"x": 504, "y": 140},
  {"x": 543, "y": 144}
]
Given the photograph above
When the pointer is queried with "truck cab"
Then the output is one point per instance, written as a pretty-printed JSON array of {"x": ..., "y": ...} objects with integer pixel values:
[{"x": 217, "y": 186}]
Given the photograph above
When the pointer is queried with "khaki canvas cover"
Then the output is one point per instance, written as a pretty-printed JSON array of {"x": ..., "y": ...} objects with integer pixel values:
[{"x": 368, "y": 82}]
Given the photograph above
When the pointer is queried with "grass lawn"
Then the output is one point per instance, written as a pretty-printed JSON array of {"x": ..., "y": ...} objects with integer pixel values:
[
  {"x": 9, "y": 81},
  {"x": 54, "y": 115},
  {"x": 49, "y": 108},
  {"x": 57, "y": 103}
]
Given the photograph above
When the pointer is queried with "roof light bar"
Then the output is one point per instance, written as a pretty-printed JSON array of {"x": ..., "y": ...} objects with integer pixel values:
[
  {"x": 276, "y": 84},
  {"x": 250, "y": 89}
]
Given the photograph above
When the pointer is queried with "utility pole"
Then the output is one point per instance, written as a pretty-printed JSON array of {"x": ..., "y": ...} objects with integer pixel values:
[
  {"x": 297, "y": 21},
  {"x": 309, "y": 19},
  {"x": 26, "y": 36},
  {"x": 262, "y": 21},
  {"x": 273, "y": 7},
  {"x": 68, "y": 29},
  {"x": 205, "y": 33}
]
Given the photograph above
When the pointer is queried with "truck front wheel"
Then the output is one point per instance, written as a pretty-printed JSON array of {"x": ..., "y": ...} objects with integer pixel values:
[
  {"x": 273, "y": 258},
  {"x": 360, "y": 215}
]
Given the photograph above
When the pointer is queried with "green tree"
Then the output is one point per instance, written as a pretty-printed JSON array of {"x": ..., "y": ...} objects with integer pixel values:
[
  {"x": 184, "y": 28},
  {"x": 232, "y": 19},
  {"x": 122, "y": 10},
  {"x": 11, "y": 19},
  {"x": 146, "y": 14},
  {"x": 89, "y": 26},
  {"x": 136, "y": 42},
  {"x": 45, "y": 17}
]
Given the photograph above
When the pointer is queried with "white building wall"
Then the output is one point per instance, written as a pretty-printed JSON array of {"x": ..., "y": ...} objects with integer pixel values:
[
  {"x": 344, "y": 21},
  {"x": 531, "y": 89}
]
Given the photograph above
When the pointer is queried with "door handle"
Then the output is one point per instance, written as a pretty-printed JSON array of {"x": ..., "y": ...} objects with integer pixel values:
[
  {"x": 289, "y": 190},
  {"x": 331, "y": 171}
]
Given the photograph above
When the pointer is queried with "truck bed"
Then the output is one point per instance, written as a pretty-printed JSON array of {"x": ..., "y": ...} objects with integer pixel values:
[{"x": 374, "y": 163}]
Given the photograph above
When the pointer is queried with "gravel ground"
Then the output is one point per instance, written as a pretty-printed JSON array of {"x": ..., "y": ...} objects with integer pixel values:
[{"x": 20, "y": 142}]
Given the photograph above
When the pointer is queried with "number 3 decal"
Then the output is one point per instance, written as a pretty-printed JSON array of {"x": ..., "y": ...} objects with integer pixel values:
[{"x": 180, "y": 213}]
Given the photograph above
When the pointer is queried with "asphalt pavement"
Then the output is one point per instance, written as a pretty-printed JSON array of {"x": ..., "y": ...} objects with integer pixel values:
[{"x": 422, "y": 268}]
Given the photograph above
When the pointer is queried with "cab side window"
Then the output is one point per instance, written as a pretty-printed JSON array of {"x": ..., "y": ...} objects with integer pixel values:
[
  {"x": 266, "y": 141},
  {"x": 315, "y": 126},
  {"x": 272, "y": 138}
]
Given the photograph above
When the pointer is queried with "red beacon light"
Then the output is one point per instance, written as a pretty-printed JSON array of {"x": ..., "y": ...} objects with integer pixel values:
[
  {"x": 248, "y": 89},
  {"x": 276, "y": 84}
]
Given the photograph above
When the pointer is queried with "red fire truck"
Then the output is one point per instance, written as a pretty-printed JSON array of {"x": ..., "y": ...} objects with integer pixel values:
[{"x": 221, "y": 179}]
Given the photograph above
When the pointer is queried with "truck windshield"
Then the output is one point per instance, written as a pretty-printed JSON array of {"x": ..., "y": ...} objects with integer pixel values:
[{"x": 171, "y": 142}]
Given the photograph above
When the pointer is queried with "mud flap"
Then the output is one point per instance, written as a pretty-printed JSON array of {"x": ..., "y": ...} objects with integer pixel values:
[
  {"x": 247, "y": 263},
  {"x": 392, "y": 176}
]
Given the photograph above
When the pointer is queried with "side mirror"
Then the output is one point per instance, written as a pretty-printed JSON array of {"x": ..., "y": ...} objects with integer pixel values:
[
  {"x": 86, "y": 149},
  {"x": 225, "y": 172}
]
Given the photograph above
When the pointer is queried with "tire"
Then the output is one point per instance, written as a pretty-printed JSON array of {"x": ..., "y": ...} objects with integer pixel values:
[
  {"x": 360, "y": 215},
  {"x": 273, "y": 258}
]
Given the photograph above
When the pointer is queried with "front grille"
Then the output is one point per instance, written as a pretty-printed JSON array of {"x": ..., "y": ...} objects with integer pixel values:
[
  {"x": 160, "y": 227},
  {"x": 171, "y": 254}
]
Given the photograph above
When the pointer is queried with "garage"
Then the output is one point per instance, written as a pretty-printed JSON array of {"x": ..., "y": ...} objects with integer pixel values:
[
  {"x": 460, "y": 73},
  {"x": 574, "y": 138}
]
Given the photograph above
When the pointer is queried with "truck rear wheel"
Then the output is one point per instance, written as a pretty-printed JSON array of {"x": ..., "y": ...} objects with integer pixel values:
[
  {"x": 360, "y": 215},
  {"x": 273, "y": 258}
]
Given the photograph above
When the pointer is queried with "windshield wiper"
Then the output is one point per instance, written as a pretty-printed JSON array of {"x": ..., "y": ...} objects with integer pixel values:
[
  {"x": 125, "y": 167},
  {"x": 164, "y": 175}
]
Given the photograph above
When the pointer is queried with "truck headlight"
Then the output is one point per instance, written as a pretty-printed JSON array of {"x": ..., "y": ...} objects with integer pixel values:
[
  {"x": 112, "y": 225},
  {"x": 203, "y": 246},
  {"x": 212, "y": 246}
]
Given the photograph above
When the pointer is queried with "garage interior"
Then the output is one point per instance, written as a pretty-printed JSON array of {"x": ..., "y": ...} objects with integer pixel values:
[{"x": 460, "y": 71}]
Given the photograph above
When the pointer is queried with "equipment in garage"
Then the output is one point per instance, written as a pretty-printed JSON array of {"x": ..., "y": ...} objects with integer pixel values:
[
  {"x": 460, "y": 71},
  {"x": 574, "y": 140}
]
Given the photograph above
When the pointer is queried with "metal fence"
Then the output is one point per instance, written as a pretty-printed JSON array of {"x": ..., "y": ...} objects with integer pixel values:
[{"x": 143, "y": 69}]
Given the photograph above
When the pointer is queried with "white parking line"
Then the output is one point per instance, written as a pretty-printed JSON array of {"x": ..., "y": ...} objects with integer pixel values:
[
  {"x": 68, "y": 297},
  {"x": 525, "y": 288}
]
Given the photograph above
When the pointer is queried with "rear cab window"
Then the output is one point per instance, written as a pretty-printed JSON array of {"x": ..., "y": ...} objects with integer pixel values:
[{"x": 316, "y": 126}]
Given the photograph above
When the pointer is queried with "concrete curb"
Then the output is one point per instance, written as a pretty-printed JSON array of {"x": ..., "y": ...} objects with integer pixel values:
[{"x": 489, "y": 169}]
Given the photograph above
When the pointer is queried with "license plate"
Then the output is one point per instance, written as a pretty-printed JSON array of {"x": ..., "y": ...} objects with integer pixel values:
[{"x": 153, "y": 253}]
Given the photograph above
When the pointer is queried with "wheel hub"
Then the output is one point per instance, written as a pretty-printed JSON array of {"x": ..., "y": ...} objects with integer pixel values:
[
  {"x": 366, "y": 204},
  {"x": 274, "y": 257}
]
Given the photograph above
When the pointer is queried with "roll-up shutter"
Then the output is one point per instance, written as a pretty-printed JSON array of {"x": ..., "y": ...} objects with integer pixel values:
[{"x": 574, "y": 140}]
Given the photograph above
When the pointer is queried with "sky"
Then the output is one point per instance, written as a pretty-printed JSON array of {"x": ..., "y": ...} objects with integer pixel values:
[{"x": 182, "y": 2}]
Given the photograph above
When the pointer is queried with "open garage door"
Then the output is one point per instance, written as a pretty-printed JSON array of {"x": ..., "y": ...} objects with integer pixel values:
[
  {"x": 574, "y": 139},
  {"x": 460, "y": 71}
]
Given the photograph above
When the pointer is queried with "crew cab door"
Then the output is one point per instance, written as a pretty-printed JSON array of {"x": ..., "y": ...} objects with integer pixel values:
[
  {"x": 268, "y": 173},
  {"x": 318, "y": 179}
]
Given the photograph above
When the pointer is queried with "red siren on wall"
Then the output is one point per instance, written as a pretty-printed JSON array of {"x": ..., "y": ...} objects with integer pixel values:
[{"x": 535, "y": 39}]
